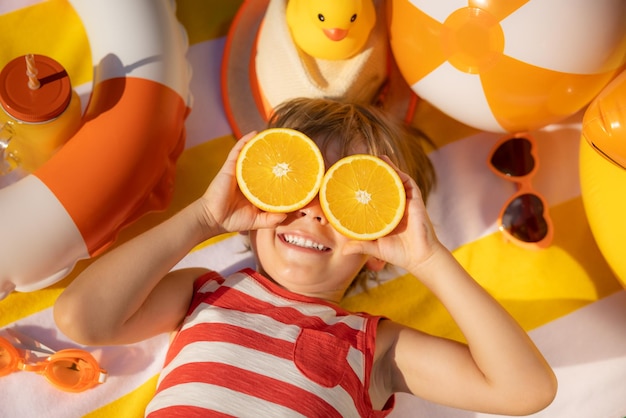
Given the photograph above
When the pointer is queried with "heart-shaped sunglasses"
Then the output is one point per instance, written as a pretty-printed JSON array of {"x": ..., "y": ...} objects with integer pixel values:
[{"x": 524, "y": 218}]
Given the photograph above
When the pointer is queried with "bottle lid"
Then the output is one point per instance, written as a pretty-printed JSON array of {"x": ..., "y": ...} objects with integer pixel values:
[{"x": 35, "y": 105}]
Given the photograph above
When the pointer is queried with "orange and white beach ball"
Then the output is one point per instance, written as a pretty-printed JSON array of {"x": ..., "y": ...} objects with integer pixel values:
[{"x": 508, "y": 66}]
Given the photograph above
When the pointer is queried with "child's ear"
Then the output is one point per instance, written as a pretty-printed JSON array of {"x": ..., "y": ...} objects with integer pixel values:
[{"x": 375, "y": 264}]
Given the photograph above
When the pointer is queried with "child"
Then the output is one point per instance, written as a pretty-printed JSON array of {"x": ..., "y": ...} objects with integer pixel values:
[{"x": 274, "y": 342}]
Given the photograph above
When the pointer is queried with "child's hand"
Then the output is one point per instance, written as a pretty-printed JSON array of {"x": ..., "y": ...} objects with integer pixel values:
[
  {"x": 414, "y": 239},
  {"x": 226, "y": 208}
]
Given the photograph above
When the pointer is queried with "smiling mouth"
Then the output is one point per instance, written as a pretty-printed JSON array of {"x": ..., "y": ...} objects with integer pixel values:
[{"x": 304, "y": 243}]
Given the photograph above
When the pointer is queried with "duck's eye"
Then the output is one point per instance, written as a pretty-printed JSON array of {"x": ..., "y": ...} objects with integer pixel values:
[
  {"x": 321, "y": 17},
  {"x": 353, "y": 18}
]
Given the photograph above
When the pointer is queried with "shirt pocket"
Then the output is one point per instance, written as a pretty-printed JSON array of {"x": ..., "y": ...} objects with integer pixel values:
[{"x": 321, "y": 357}]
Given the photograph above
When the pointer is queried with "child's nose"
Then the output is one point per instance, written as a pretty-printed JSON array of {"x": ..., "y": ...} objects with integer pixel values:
[{"x": 314, "y": 211}]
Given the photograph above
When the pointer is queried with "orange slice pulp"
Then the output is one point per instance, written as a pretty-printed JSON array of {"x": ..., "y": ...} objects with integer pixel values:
[
  {"x": 362, "y": 197},
  {"x": 280, "y": 170}
]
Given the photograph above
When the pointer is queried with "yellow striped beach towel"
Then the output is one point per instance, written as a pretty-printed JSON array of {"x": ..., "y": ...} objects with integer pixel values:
[{"x": 566, "y": 296}]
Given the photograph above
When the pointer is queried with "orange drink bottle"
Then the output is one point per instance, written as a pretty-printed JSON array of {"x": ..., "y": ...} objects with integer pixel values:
[{"x": 39, "y": 111}]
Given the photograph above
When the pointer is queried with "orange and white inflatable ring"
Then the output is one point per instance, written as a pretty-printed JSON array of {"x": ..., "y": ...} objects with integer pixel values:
[{"x": 121, "y": 162}]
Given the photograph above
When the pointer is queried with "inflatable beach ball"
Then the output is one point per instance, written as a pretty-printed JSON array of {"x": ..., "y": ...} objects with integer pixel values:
[{"x": 508, "y": 66}]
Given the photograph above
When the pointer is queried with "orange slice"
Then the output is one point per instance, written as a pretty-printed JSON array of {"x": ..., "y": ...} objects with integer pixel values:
[
  {"x": 362, "y": 197},
  {"x": 280, "y": 170}
]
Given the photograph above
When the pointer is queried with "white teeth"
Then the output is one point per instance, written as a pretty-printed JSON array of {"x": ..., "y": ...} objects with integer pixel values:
[{"x": 305, "y": 243}]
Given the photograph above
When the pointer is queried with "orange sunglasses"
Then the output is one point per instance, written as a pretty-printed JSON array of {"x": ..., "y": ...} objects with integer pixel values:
[
  {"x": 524, "y": 218},
  {"x": 71, "y": 370}
]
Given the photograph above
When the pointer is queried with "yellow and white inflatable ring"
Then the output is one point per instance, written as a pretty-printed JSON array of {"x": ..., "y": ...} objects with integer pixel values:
[
  {"x": 603, "y": 172},
  {"x": 120, "y": 164}
]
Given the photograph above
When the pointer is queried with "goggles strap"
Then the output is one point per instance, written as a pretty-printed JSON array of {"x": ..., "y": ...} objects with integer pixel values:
[{"x": 102, "y": 376}]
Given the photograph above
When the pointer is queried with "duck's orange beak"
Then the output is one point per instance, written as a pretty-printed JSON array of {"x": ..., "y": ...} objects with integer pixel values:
[{"x": 336, "y": 34}]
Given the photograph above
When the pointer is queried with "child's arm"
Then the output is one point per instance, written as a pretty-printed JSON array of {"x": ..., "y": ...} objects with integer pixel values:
[
  {"x": 499, "y": 370},
  {"x": 129, "y": 293}
]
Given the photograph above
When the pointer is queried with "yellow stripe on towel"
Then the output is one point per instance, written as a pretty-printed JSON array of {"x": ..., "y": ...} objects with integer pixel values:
[
  {"x": 19, "y": 305},
  {"x": 536, "y": 287},
  {"x": 131, "y": 405},
  {"x": 49, "y": 28},
  {"x": 206, "y": 19}
]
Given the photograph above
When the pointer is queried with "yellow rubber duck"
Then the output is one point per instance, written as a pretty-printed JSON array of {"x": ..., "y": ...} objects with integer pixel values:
[{"x": 330, "y": 29}]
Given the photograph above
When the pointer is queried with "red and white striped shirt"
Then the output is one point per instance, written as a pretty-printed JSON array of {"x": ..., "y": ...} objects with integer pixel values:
[{"x": 251, "y": 348}]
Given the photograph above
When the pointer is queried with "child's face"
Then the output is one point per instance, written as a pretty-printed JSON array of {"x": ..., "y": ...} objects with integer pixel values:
[{"x": 304, "y": 254}]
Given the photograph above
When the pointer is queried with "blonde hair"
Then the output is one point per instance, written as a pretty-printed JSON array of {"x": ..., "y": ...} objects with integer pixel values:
[{"x": 353, "y": 126}]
